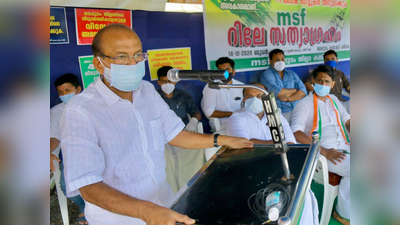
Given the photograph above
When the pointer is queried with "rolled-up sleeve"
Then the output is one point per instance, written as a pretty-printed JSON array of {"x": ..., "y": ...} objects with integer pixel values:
[
  {"x": 269, "y": 81},
  {"x": 209, "y": 101},
  {"x": 83, "y": 159},
  {"x": 235, "y": 126},
  {"x": 299, "y": 117}
]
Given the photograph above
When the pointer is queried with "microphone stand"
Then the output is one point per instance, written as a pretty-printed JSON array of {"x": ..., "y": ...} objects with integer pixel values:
[{"x": 274, "y": 123}]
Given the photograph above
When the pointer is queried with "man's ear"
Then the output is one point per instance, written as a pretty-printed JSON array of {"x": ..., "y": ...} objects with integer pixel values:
[
  {"x": 79, "y": 89},
  {"x": 333, "y": 84},
  {"x": 233, "y": 72},
  {"x": 97, "y": 64},
  {"x": 159, "y": 83}
]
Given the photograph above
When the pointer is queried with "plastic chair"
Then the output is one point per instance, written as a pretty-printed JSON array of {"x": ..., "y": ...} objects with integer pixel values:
[
  {"x": 331, "y": 188},
  {"x": 200, "y": 128},
  {"x": 214, "y": 122},
  {"x": 62, "y": 199}
]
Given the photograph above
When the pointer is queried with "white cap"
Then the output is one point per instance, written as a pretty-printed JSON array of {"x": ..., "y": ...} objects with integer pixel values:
[{"x": 273, "y": 214}]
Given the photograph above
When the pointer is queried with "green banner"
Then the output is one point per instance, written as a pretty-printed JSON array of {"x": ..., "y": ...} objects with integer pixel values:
[
  {"x": 88, "y": 72},
  {"x": 247, "y": 30},
  {"x": 294, "y": 60}
]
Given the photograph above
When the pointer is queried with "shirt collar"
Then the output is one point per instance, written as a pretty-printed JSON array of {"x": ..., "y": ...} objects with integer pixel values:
[
  {"x": 109, "y": 96},
  {"x": 254, "y": 116}
]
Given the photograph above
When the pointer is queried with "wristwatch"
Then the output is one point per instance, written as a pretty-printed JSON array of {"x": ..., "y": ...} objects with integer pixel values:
[{"x": 215, "y": 140}]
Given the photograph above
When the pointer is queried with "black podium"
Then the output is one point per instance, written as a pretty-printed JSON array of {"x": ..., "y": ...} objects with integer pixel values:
[{"x": 219, "y": 192}]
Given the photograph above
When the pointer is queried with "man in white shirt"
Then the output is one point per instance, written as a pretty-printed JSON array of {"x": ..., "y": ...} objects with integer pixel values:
[
  {"x": 222, "y": 103},
  {"x": 67, "y": 87},
  {"x": 323, "y": 113},
  {"x": 113, "y": 137},
  {"x": 251, "y": 124}
]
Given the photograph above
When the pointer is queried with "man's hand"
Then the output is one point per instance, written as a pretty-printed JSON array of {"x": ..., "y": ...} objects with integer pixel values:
[
  {"x": 192, "y": 125},
  {"x": 157, "y": 215},
  {"x": 234, "y": 142},
  {"x": 53, "y": 157},
  {"x": 333, "y": 155}
]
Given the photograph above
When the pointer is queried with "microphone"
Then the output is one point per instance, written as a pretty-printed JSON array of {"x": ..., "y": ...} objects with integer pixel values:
[{"x": 176, "y": 75}]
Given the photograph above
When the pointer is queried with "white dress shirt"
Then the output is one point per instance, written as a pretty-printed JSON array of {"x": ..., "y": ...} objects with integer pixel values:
[
  {"x": 331, "y": 135},
  {"x": 226, "y": 100},
  {"x": 55, "y": 117},
  {"x": 247, "y": 125},
  {"x": 106, "y": 138}
]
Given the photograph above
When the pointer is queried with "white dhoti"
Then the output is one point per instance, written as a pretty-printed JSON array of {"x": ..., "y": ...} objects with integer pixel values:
[
  {"x": 342, "y": 169},
  {"x": 309, "y": 214},
  {"x": 182, "y": 164}
]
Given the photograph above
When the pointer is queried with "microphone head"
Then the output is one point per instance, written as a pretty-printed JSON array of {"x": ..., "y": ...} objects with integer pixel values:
[{"x": 173, "y": 75}]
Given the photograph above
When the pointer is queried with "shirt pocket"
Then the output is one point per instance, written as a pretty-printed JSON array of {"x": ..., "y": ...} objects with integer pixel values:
[{"x": 157, "y": 134}]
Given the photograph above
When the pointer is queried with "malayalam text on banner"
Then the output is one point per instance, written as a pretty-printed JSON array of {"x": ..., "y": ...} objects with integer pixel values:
[
  {"x": 58, "y": 26},
  {"x": 176, "y": 57},
  {"x": 247, "y": 30},
  {"x": 89, "y": 21}
]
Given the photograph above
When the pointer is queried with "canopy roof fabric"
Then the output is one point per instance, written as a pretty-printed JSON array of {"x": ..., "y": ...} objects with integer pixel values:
[{"x": 148, "y": 5}]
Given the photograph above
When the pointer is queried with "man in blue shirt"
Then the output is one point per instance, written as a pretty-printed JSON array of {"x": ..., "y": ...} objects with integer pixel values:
[{"x": 288, "y": 87}]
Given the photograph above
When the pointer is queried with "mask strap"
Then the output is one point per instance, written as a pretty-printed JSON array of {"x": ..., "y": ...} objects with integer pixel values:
[{"x": 102, "y": 62}]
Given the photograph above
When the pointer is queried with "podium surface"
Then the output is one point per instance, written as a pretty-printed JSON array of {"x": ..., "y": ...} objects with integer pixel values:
[{"x": 219, "y": 192}]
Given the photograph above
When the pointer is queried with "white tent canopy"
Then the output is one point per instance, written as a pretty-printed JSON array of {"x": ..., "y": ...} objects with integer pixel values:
[{"x": 148, "y": 5}]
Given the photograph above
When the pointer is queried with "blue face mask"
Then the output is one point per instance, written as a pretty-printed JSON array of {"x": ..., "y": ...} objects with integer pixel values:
[
  {"x": 254, "y": 105},
  {"x": 331, "y": 63},
  {"x": 66, "y": 98},
  {"x": 322, "y": 90},
  {"x": 124, "y": 77}
]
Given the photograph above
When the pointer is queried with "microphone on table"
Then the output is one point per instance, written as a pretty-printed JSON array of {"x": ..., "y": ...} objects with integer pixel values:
[{"x": 209, "y": 76}]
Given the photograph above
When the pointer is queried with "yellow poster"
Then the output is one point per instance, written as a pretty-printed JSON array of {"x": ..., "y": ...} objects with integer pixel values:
[{"x": 176, "y": 57}]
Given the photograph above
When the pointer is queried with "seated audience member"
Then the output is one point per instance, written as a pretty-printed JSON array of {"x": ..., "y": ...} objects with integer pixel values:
[
  {"x": 341, "y": 81},
  {"x": 179, "y": 101},
  {"x": 222, "y": 103},
  {"x": 251, "y": 124},
  {"x": 182, "y": 163},
  {"x": 322, "y": 112},
  {"x": 67, "y": 87},
  {"x": 286, "y": 84}
]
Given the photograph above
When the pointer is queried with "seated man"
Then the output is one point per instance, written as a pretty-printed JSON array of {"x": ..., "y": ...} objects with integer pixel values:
[
  {"x": 222, "y": 103},
  {"x": 341, "y": 81},
  {"x": 182, "y": 164},
  {"x": 179, "y": 101},
  {"x": 251, "y": 124},
  {"x": 323, "y": 113},
  {"x": 288, "y": 87},
  {"x": 67, "y": 87}
]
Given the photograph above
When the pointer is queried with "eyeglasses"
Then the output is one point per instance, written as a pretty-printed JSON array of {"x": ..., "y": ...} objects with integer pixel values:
[{"x": 125, "y": 59}]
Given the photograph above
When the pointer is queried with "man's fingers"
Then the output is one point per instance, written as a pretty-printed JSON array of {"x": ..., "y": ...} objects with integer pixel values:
[{"x": 185, "y": 219}]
